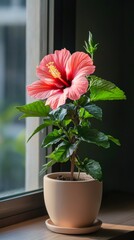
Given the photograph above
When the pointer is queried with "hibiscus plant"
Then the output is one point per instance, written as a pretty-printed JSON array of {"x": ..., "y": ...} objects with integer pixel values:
[{"x": 67, "y": 91}]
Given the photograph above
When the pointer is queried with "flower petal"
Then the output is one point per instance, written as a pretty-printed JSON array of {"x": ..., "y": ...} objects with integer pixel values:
[
  {"x": 60, "y": 58},
  {"x": 78, "y": 87},
  {"x": 42, "y": 70},
  {"x": 79, "y": 63},
  {"x": 48, "y": 79},
  {"x": 57, "y": 99},
  {"x": 41, "y": 90}
]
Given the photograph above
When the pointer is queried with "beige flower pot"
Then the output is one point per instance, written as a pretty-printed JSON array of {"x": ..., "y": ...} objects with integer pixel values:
[{"x": 73, "y": 204}]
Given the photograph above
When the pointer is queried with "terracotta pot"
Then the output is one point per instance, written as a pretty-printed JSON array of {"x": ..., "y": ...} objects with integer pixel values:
[{"x": 72, "y": 203}]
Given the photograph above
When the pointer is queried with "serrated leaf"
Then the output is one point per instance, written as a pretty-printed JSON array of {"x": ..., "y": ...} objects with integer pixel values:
[
  {"x": 93, "y": 136},
  {"x": 53, "y": 137},
  {"x": 101, "y": 89},
  {"x": 92, "y": 168},
  {"x": 35, "y": 109},
  {"x": 42, "y": 126},
  {"x": 63, "y": 152}
]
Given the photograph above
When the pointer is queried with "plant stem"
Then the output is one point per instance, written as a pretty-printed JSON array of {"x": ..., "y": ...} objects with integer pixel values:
[
  {"x": 72, "y": 166},
  {"x": 78, "y": 174}
]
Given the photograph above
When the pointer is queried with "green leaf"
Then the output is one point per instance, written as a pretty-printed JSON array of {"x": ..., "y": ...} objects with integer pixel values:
[
  {"x": 101, "y": 89},
  {"x": 94, "y": 110},
  {"x": 70, "y": 108},
  {"x": 53, "y": 138},
  {"x": 58, "y": 114},
  {"x": 63, "y": 152},
  {"x": 35, "y": 109},
  {"x": 90, "y": 46},
  {"x": 83, "y": 100},
  {"x": 114, "y": 140},
  {"x": 46, "y": 166},
  {"x": 47, "y": 123},
  {"x": 92, "y": 168},
  {"x": 93, "y": 136},
  {"x": 85, "y": 123},
  {"x": 66, "y": 122},
  {"x": 84, "y": 114}
]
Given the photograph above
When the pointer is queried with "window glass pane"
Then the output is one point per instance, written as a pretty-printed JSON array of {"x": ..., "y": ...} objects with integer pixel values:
[
  {"x": 21, "y": 163},
  {"x": 12, "y": 93}
]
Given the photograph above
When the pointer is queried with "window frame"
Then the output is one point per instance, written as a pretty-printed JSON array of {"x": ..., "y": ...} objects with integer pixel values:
[
  {"x": 39, "y": 42},
  {"x": 39, "y": 32}
]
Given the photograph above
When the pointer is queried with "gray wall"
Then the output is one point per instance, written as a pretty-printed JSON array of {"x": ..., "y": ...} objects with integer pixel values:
[{"x": 111, "y": 23}]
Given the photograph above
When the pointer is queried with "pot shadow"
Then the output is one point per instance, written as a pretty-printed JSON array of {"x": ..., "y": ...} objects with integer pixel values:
[
  {"x": 111, "y": 234},
  {"x": 108, "y": 234}
]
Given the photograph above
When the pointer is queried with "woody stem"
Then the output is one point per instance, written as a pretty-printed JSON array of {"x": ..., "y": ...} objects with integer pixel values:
[{"x": 72, "y": 166}]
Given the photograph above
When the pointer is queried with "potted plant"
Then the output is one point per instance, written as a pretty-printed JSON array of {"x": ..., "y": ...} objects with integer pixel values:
[{"x": 67, "y": 91}]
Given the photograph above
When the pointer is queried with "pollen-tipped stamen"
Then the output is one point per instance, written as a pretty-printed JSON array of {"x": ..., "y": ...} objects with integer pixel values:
[{"x": 55, "y": 73}]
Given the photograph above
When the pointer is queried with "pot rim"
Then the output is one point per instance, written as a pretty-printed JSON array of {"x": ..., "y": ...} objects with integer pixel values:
[{"x": 85, "y": 177}]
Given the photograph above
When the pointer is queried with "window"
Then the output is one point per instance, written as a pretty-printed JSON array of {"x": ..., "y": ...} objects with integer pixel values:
[
  {"x": 39, "y": 41},
  {"x": 12, "y": 92}
]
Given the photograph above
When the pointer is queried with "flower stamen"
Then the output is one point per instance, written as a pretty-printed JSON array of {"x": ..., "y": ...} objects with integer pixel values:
[
  {"x": 55, "y": 73},
  {"x": 53, "y": 70}
]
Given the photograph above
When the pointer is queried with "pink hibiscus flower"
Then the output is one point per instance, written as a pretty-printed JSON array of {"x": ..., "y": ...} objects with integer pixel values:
[{"x": 62, "y": 76}]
